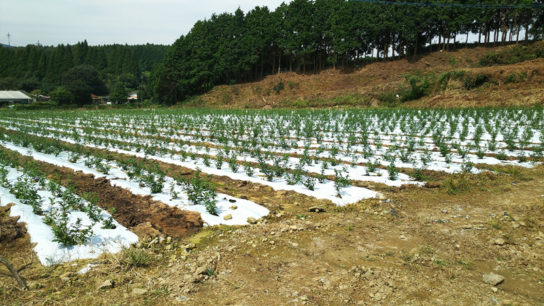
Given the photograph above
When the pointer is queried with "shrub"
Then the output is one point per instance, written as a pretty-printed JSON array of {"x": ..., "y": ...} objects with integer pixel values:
[
  {"x": 418, "y": 88},
  {"x": 517, "y": 54},
  {"x": 200, "y": 192},
  {"x": 388, "y": 97},
  {"x": 136, "y": 257},
  {"x": 445, "y": 77},
  {"x": 511, "y": 78},
  {"x": 278, "y": 87},
  {"x": 474, "y": 81},
  {"x": 456, "y": 185}
]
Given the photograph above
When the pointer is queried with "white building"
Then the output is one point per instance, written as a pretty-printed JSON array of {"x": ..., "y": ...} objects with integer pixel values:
[{"x": 14, "y": 96}]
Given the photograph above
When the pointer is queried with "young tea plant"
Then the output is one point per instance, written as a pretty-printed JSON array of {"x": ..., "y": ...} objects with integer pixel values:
[{"x": 201, "y": 192}]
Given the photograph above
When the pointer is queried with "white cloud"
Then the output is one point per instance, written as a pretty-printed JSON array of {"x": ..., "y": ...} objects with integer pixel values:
[{"x": 53, "y": 22}]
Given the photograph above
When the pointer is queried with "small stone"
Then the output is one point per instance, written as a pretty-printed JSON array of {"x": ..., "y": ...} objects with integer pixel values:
[
  {"x": 499, "y": 241},
  {"x": 402, "y": 237},
  {"x": 493, "y": 279},
  {"x": 494, "y": 289},
  {"x": 138, "y": 291},
  {"x": 251, "y": 220},
  {"x": 108, "y": 284},
  {"x": 234, "y": 207},
  {"x": 227, "y": 217},
  {"x": 168, "y": 239},
  {"x": 316, "y": 209}
]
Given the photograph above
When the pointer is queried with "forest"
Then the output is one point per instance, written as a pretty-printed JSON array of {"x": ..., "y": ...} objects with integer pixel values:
[
  {"x": 72, "y": 71},
  {"x": 307, "y": 36}
]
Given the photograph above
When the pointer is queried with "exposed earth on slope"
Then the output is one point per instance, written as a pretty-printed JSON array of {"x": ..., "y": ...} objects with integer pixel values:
[{"x": 363, "y": 86}]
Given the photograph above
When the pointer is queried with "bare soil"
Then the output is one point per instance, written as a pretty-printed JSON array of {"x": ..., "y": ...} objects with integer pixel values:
[
  {"x": 372, "y": 80},
  {"x": 10, "y": 228}
]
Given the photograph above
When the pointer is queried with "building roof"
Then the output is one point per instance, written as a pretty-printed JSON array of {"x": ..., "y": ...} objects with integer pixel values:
[{"x": 13, "y": 95}]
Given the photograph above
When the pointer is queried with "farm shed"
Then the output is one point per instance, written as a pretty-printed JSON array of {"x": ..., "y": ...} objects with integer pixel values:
[{"x": 13, "y": 96}]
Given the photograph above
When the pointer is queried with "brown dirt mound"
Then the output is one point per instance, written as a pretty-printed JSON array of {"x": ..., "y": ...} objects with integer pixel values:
[
  {"x": 10, "y": 229},
  {"x": 133, "y": 210}
]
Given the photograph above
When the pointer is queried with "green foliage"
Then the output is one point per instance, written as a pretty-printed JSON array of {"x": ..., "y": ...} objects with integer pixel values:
[
  {"x": 516, "y": 54},
  {"x": 445, "y": 77},
  {"x": 475, "y": 81},
  {"x": 136, "y": 257},
  {"x": 414, "y": 87},
  {"x": 418, "y": 88},
  {"x": 62, "y": 96},
  {"x": 278, "y": 87},
  {"x": 201, "y": 192},
  {"x": 119, "y": 93},
  {"x": 389, "y": 98},
  {"x": 42, "y": 67},
  {"x": 27, "y": 194},
  {"x": 82, "y": 81},
  {"x": 456, "y": 185},
  {"x": 515, "y": 77}
]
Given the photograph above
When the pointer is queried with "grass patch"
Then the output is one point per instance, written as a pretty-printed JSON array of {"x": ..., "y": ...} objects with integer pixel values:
[
  {"x": 136, "y": 258},
  {"x": 475, "y": 81},
  {"x": 456, "y": 185},
  {"x": 517, "y": 54}
]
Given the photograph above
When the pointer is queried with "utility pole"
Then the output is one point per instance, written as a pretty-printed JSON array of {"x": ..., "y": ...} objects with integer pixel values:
[{"x": 9, "y": 43}]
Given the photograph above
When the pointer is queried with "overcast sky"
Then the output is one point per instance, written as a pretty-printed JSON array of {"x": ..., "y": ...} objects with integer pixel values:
[{"x": 53, "y": 22}]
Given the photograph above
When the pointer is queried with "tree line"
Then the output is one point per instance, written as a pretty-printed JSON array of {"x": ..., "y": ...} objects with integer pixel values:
[
  {"x": 311, "y": 35},
  {"x": 78, "y": 70}
]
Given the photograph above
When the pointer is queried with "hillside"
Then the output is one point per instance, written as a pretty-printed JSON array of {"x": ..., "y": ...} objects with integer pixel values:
[{"x": 377, "y": 84}]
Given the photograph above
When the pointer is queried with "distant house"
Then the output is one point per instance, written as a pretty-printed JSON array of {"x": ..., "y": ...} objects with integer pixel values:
[
  {"x": 100, "y": 99},
  {"x": 43, "y": 98},
  {"x": 132, "y": 97},
  {"x": 14, "y": 96}
]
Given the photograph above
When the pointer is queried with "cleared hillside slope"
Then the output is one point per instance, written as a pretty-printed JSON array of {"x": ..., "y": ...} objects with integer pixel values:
[{"x": 439, "y": 79}]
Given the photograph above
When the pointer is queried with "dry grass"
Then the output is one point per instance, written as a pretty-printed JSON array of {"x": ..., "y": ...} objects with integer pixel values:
[{"x": 332, "y": 88}]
